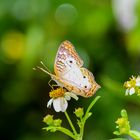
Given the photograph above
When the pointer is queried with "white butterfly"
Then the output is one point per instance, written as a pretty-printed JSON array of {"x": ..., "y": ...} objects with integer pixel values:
[{"x": 70, "y": 74}]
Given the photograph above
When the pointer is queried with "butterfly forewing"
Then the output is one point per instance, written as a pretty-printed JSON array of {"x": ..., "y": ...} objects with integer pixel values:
[{"x": 65, "y": 58}]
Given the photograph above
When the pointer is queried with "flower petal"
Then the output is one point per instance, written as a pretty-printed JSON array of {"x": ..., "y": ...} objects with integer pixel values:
[
  {"x": 50, "y": 103},
  {"x": 128, "y": 84},
  {"x": 73, "y": 95},
  {"x": 131, "y": 91},
  {"x": 127, "y": 92},
  {"x": 138, "y": 81},
  {"x": 60, "y": 104},
  {"x": 64, "y": 104},
  {"x": 67, "y": 96},
  {"x": 56, "y": 104}
]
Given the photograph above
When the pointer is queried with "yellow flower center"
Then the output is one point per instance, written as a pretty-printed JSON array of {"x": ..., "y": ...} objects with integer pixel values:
[
  {"x": 121, "y": 121},
  {"x": 130, "y": 83},
  {"x": 59, "y": 92}
]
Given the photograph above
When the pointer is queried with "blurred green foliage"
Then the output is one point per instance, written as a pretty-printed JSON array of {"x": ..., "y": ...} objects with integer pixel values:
[{"x": 31, "y": 31}]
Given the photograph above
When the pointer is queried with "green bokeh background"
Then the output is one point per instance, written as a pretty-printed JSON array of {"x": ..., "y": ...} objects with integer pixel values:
[{"x": 31, "y": 31}]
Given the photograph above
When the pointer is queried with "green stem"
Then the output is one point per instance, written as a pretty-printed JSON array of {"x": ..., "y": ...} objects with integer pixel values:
[
  {"x": 91, "y": 105},
  {"x": 86, "y": 117},
  {"x": 70, "y": 122},
  {"x": 82, "y": 130},
  {"x": 61, "y": 129}
]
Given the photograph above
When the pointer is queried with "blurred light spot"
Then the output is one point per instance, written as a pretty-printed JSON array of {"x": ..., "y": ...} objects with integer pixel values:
[
  {"x": 12, "y": 46},
  {"x": 22, "y": 10},
  {"x": 2, "y": 9},
  {"x": 27, "y": 9},
  {"x": 66, "y": 14},
  {"x": 96, "y": 22},
  {"x": 124, "y": 11},
  {"x": 133, "y": 43}
]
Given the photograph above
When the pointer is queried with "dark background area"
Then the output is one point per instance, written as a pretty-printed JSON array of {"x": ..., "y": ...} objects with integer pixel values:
[{"x": 106, "y": 34}]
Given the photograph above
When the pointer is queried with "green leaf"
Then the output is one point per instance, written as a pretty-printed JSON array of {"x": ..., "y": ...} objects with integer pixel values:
[
  {"x": 88, "y": 114},
  {"x": 135, "y": 134},
  {"x": 50, "y": 128},
  {"x": 116, "y": 133},
  {"x": 61, "y": 129},
  {"x": 79, "y": 123}
]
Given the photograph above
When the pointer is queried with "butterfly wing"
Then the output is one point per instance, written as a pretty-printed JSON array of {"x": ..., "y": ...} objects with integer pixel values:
[
  {"x": 88, "y": 84},
  {"x": 68, "y": 67},
  {"x": 80, "y": 82},
  {"x": 65, "y": 58}
]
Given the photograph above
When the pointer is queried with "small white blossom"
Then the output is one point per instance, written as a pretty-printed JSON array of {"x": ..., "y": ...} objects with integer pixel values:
[
  {"x": 138, "y": 81},
  {"x": 130, "y": 91},
  {"x": 61, "y": 103},
  {"x": 127, "y": 92},
  {"x": 128, "y": 84},
  {"x": 132, "y": 86}
]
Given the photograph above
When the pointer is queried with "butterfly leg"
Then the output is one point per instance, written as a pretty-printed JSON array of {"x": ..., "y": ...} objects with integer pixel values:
[
  {"x": 49, "y": 83},
  {"x": 52, "y": 86},
  {"x": 55, "y": 85}
]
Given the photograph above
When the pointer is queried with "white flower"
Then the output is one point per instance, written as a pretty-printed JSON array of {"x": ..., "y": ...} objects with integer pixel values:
[
  {"x": 130, "y": 91},
  {"x": 138, "y": 81},
  {"x": 61, "y": 103}
]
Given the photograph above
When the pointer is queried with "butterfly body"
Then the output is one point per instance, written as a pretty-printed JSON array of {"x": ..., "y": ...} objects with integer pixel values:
[{"x": 70, "y": 74}]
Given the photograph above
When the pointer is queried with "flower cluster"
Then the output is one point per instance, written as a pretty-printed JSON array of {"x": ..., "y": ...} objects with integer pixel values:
[
  {"x": 122, "y": 124},
  {"x": 132, "y": 86},
  {"x": 59, "y": 98},
  {"x": 123, "y": 127},
  {"x": 52, "y": 123}
]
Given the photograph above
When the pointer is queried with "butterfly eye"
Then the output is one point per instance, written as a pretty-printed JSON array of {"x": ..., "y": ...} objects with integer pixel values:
[{"x": 70, "y": 61}]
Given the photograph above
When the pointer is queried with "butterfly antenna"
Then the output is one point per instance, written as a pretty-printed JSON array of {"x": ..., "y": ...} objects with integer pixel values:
[
  {"x": 41, "y": 69},
  {"x": 45, "y": 66}
]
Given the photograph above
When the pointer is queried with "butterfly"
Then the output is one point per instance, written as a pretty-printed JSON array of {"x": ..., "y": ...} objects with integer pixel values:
[{"x": 70, "y": 73}]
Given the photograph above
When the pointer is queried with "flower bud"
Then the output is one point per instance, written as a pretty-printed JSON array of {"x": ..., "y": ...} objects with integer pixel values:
[
  {"x": 48, "y": 119},
  {"x": 57, "y": 122},
  {"x": 79, "y": 112}
]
